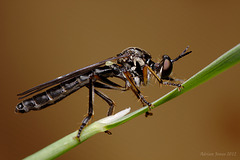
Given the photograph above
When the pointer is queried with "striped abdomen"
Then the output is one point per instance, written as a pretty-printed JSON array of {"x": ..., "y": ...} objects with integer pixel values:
[{"x": 52, "y": 95}]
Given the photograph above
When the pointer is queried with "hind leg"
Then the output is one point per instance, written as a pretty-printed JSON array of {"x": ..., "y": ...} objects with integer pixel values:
[{"x": 90, "y": 108}]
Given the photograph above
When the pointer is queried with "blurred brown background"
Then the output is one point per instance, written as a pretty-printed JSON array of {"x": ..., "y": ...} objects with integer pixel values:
[{"x": 42, "y": 40}]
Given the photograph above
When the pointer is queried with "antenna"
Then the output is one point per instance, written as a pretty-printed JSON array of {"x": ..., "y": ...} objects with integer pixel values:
[{"x": 184, "y": 53}]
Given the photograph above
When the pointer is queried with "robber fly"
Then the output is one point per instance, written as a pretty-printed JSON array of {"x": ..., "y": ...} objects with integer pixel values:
[{"x": 133, "y": 65}]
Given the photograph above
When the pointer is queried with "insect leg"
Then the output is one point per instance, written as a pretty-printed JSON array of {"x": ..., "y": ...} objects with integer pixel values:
[
  {"x": 145, "y": 68},
  {"x": 110, "y": 103},
  {"x": 160, "y": 80},
  {"x": 109, "y": 82},
  {"x": 171, "y": 83},
  {"x": 135, "y": 90},
  {"x": 179, "y": 86},
  {"x": 106, "y": 99},
  {"x": 174, "y": 79},
  {"x": 90, "y": 108},
  {"x": 106, "y": 86}
]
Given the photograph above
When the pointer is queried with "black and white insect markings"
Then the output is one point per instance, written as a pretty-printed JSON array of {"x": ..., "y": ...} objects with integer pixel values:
[{"x": 133, "y": 65}]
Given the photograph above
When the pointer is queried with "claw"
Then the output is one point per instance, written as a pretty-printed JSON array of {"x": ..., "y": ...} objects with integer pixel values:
[
  {"x": 180, "y": 88},
  {"x": 108, "y": 132},
  {"x": 148, "y": 114}
]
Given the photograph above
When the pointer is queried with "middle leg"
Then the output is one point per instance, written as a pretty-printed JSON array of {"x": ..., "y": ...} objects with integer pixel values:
[
  {"x": 108, "y": 100},
  {"x": 110, "y": 103},
  {"x": 138, "y": 93}
]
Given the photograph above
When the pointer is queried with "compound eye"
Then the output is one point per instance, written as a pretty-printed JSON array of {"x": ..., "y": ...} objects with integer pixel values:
[{"x": 166, "y": 64}]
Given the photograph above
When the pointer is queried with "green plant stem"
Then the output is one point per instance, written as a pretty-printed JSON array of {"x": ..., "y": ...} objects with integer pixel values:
[{"x": 63, "y": 145}]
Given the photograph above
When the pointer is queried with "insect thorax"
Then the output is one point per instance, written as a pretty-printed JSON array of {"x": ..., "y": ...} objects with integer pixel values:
[
  {"x": 135, "y": 61},
  {"x": 134, "y": 55}
]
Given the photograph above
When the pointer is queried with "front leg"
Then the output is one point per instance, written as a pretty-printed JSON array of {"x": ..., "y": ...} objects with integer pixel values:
[{"x": 171, "y": 82}]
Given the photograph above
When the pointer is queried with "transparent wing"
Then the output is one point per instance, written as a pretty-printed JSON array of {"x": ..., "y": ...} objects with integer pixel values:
[{"x": 67, "y": 77}]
